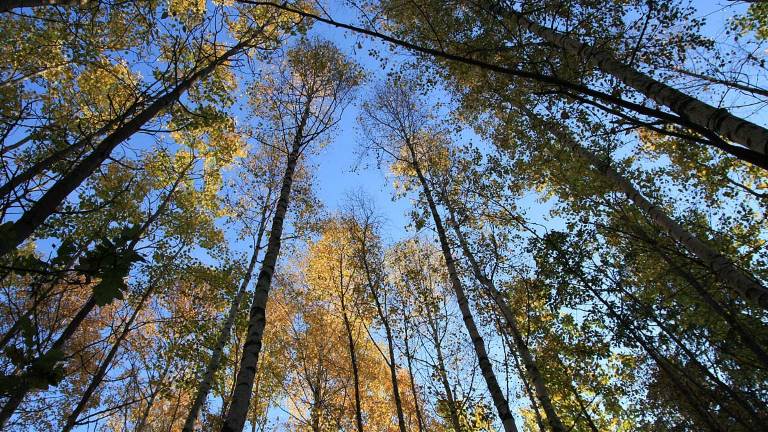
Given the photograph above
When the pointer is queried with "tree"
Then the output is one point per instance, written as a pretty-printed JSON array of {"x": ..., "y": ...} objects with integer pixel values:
[{"x": 302, "y": 101}]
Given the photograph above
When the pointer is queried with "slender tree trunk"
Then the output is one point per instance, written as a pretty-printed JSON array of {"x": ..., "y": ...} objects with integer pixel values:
[
  {"x": 694, "y": 359},
  {"x": 526, "y": 385},
  {"x": 409, "y": 363},
  {"x": 353, "y": 362},
  {"x": 739, "y": 281},
  {"x": 10, "y": 5},
  {"x": 372, "y": 286},
  {"x": 141, "y": 424},
  {"x": 24, "y": 387},
  {"x": 238, "y": 409},
  {"x": 521, "y": 347},
  {"x": 393, "y": 376},
  {"x": 442, "y": 372},
  {"x": 727, "y": 316},
  {"x": 32, "y": 218},
  {"x": 497, "y": 395},
  {"x": 214, "y": 363},
  {"x": 717, "y": 120},
  {"x": 105, "y": 363}
]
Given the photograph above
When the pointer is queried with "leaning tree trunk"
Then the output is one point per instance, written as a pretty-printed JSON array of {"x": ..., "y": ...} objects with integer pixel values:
[
  {"x": 24, "y": 386},
  {"x": 717, "y": 120},
  {"x": 241, "y": 397},
  {"x": 409, "y": 363},
  {"x": 723, "y": 269},
  {"x": 204, "y": 387},
  {"x": 497, "y": 395},
  {"x": 531, "y": 367},
  {"x": 105, "y": 364},
  {"x": 21, "y": 229},
  {"x": 442, "y": 372}
]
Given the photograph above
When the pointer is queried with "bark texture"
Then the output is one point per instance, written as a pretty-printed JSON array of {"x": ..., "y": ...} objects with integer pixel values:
[{"x": 717, "y": 120}]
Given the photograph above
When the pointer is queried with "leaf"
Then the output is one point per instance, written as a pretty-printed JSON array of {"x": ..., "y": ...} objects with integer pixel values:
[{"x": 110, "y": 288}]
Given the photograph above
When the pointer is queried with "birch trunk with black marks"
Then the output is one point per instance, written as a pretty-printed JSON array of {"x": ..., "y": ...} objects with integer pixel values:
[
  {"x": 206, "y": 381},
  {"x": 241, "y": 397},
  {"x": 510, "y": 320},
  {"x": 717, "y": 120},
  {"x": 497, "y": 394}
]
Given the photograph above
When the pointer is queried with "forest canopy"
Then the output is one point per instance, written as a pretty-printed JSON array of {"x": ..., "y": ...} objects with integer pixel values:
[{"x": 383, "y": 215}]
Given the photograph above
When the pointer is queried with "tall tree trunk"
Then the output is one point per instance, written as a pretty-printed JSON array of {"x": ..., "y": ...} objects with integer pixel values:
[
  {"x": 24, "y": 387},
  {"x": 717, "y": 120},
  {"x": 105, "y": 363},
  {"x": 32, "y": 218},
  {"x": 238, "y": 409},
  {"x": 383, "y": 316},
  {"x": 521, "y": 347},
  {"x": 739, "y": 281},
  {"x": 442, "y": 372},
  {"x": 409, "y": 363},
  {"x": 204, "y": 387},
  {"x": 353, "y": 363},
  {"x": 497, "y": 395}
]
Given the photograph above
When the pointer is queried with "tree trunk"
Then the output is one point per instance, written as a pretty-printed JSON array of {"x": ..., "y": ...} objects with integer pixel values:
[
  {"x": 499, "y": 401},
  {"x": 409, "y": 362},
  {"x": 723, "y": 269},
  {"x": 526, "y": 383},
  {"x": 105, "y": 364},
  {"x": 355, "y": 371},
  {"x": 238, "y": 409},
  {"x": 387, "y": 331},
  {"x": 214, "y": 363},
  {"x": 32, "y": 218},
  {"x": 719, "y": 121},
  {"x": 521, "y": 347},
  {"x": 442, "y": 372}
]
